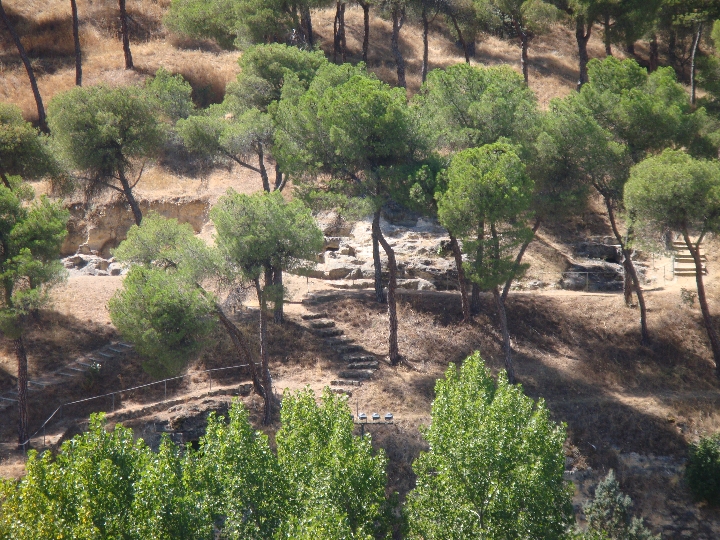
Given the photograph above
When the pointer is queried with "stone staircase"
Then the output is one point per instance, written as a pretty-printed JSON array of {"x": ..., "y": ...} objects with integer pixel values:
[
  {"x": 356, "y": 365},
  {"x": 683, "y": 263},
  {"x": 80, "y": 366}
]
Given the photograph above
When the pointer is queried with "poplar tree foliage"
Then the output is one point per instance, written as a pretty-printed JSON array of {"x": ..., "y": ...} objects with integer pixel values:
[
  {"x": 30, "y": 239},
  {"x": 495, "y": 464},
  {"x": 677, "y": 192},
  {"x": 99, "y": 130},
  {"x": 104, "y": 484}
]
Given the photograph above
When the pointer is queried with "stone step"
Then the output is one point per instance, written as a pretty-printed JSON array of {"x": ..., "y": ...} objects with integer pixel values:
[
  {"x": 689, "y": 258},
  {"x": 357, "y": 374},
  {"x": 64, "y": 374},
  {"x": 358, "y": 358},
  {"x": 117, "y": 350},
  {"x": 345, "y": 349},
  {"x": 7, "y": 399},
  {"x": 84, "y": 364},
  {"x": 95, "y": 360},
  {"x": 338, "y": 341},
  {"x": 329, "y": 332},
  {"x": 687, "y": 273},
  {"x": 374, "y": 364},
  {"x": 345, "y": 382},
  {"x": 345, "y": 391},
  {"x": 312, "y": 316},
  {"x": 40, "y": 384},
  {"x": 80, "y": 370},
  {"x": 322, "y": 323},
  {"x": 105, "y": 355}
]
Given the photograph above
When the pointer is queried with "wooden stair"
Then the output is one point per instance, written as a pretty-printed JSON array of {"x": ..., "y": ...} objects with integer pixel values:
[{"x": 683, "y": 262}]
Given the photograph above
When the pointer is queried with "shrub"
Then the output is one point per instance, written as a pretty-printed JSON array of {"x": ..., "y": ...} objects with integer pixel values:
[{"x": 703, "y": 469}]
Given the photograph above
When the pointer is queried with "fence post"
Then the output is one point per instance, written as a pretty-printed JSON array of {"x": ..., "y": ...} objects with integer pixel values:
[
  {"x": 113, "y": 402},
  {"x": 210, "y": 381},
  {"x": 165, "y": 389},
  {"x": 43, "y": 435},
  {"x": 587, "y": 281}
]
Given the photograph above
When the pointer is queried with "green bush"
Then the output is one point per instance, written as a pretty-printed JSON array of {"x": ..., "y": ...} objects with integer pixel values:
[{"x": 703, "y": 469}]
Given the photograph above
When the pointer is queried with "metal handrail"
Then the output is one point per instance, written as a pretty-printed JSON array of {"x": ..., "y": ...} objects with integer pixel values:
[{"x": 163, "y": 381}]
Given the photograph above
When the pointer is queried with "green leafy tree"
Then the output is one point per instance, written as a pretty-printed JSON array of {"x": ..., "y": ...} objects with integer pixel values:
[
  {"x": 525, "y": 19},
  {"x": 463, "y": 107},
  {"x": 324, "y": 482},
  {"x": 166, "y": 503},
  {"x": 677, "y": 192},
  {"x": 354, "y": 129},
  {"x": 609, "y": 515},
  {"x": 163, "y": 293},
  {"x": 643, "y": 114},
  {"x": 242, "y": 488},
  {"x": 30, "y": 241},
  {"x": 243, "y": 126},
  {"x": 487, "y": 194},
  {"x": 85, "y": 493},
  {"x": 313, "y": 440},
  {"x": 259, "y": 232},
  {"x": 495, "y": 464},
  {"x": 703, "y": 469},
  {"x": 23, "y": 151},
  {"x": 170, "y": 95},
  {"x": 99, "y": 131},
  {"x": 240, "y": 23},
  {"x": 165, "y": 314}
]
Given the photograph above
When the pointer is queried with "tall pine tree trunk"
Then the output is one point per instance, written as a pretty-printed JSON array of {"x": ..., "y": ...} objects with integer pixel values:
[
  {"x": 377, "y": 263},
  {"x": 630, "y": 268},
  {"x": 264, "y": 359},
  {"x": 606, "y": 34},
  {"x": 393, "y": 352},
  {"x": 582, "y": 36},
  {"x": 707, "y": 319},
  {"x": 426, "y": 30},
  {"x": 76, "y": 39},
  {"x": 475, "y": 299},
  {"x": 457, "y": 254},
  {"x": 654, "y": 53},
  {"x": 518, "y": 259},
  {"x": 339, "y": 42},
  {"x": 125, "y": 34},
  {"x": 524, "y": 44},
  {"x": 466, "y": 52},
  {"x": 127, "y": 190},
  {"x": 263, "y": 171},
  {"x": 22, "y": 382},
  {"x": 277, "y": 281},
  {"x": 243, "y": 349},
  {"x": 696, "y": 43},
  {"x": 42, "y": 120},
  {"x": 507, "y": 348},
  {"x": 366, "y": 33},
  {"x": 398, "y": 18},
  {"x": 306, "y": 23}
]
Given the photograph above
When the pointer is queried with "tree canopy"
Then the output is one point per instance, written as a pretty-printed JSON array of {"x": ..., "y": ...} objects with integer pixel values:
[
  {"x": 99, "y": 130},
  {"x": 495, "y": 464}
]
